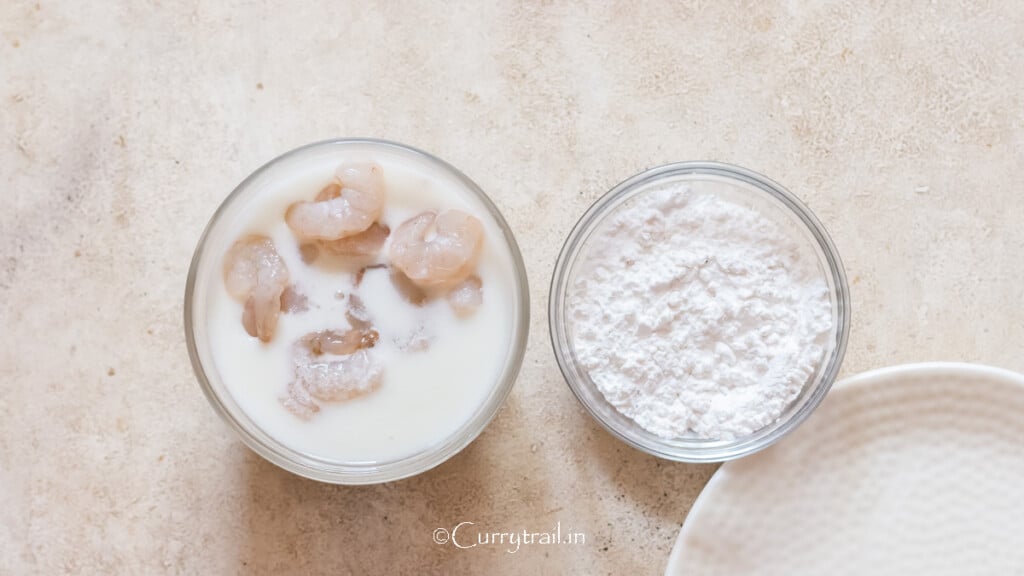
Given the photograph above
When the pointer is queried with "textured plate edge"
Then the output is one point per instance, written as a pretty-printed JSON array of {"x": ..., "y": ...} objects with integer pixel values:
[{"x": 913, "y": 370}]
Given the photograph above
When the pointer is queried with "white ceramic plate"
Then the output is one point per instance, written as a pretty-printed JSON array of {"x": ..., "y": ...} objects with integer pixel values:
[{"x": 909, "y": 470}]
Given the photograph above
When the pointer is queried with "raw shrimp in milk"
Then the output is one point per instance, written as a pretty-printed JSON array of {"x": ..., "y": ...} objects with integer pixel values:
[{"x": 367, "y": 321}]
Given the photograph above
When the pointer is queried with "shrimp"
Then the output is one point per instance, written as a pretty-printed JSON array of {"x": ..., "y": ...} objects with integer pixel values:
[
  {"x": 352, "y": 375},
  {"x": 339, "y": 343},
  {"x": 345, "y": 207},
  {"x": 437, "y": 250},
  {"x": 255, "y": 274},
  {"x": 466, "y": 296},
  {"x": 365, "y": 243},
  {"x": 332, "y": 365}
]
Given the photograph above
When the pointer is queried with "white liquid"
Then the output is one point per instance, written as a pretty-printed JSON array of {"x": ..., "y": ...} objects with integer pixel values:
[{"x": 425, "y": 396}]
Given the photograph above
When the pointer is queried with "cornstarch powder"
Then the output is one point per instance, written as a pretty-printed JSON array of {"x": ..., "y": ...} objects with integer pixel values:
[{"x": 696, "y": 316}]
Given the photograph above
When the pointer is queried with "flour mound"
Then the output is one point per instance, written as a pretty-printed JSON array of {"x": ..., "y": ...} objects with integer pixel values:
[{"x": 696, "y": 316}]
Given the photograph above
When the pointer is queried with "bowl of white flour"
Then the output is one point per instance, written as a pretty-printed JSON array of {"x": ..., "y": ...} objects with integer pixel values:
[{"x": 699, "y": 311}]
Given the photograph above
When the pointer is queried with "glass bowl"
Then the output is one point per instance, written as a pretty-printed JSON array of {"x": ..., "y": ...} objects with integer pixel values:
[
  {"x": 206, "y": 267},
  {"x": 770, "y": 199}
]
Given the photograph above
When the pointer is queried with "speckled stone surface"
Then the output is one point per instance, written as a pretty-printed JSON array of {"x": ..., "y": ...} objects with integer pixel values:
[{"x": 124, "y": 124}]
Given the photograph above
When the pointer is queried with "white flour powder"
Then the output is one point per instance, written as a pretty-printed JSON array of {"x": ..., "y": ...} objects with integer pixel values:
[{"x": 697, "y": 316}]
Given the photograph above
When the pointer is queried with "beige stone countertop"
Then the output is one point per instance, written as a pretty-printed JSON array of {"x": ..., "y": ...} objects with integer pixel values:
[{"x": 124, "y": 124}]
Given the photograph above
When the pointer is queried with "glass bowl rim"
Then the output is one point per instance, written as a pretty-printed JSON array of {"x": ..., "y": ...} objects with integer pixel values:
[
  {"x": 571, "y": 248},
  {"x": 331, "y": 472}
]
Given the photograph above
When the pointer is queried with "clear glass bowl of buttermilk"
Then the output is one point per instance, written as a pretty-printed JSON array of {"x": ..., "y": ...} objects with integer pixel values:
[
  {"x": 699, "y": 311},
  {"x": 357, "y": 311}
]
